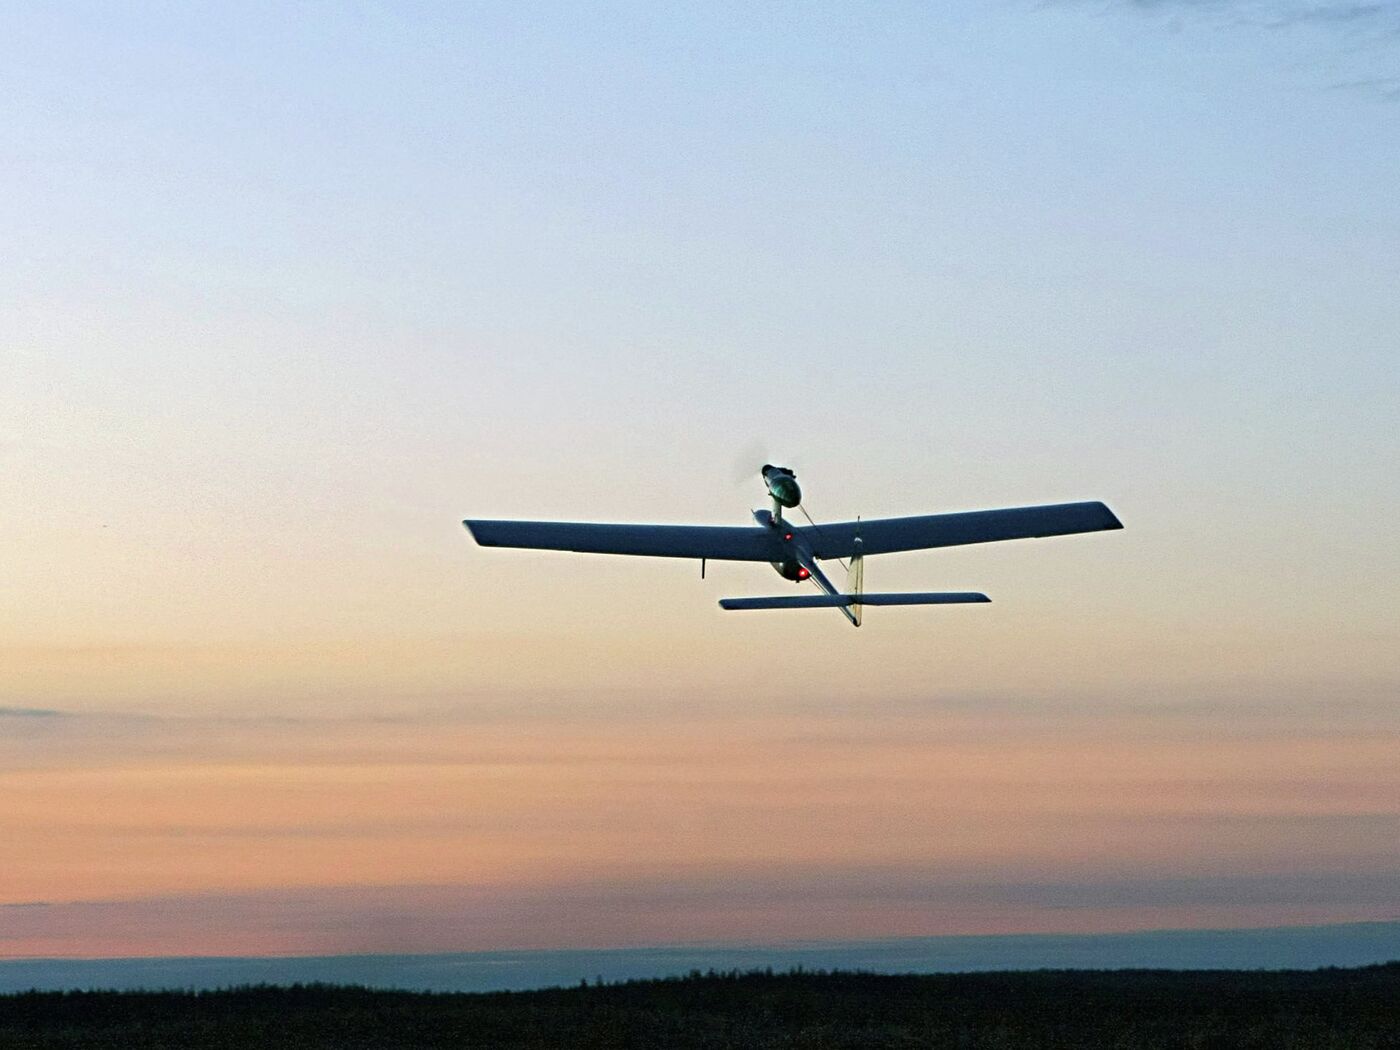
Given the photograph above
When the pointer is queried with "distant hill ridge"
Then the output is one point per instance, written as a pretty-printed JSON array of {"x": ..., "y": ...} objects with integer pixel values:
[{"x": 1278, "y": 948}]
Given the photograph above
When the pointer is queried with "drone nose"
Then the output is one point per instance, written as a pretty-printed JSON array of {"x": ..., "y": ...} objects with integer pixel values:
[{"x": 783, "y": 488}]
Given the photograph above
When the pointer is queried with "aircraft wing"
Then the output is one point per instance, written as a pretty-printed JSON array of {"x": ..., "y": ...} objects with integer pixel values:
[
  {"x": 718, "y": 542},
  {"x": 888, "y": 535}
]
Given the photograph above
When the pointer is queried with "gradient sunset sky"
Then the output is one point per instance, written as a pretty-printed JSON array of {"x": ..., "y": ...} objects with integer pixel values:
[{"x": 289, "y": 290}]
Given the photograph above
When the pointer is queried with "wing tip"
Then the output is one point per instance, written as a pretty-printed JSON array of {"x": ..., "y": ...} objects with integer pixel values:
[{"x": 1111, "y": 520}]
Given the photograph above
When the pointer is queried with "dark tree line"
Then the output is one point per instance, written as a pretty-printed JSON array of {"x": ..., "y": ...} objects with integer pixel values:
[{"x": 1301, "y": 1010}]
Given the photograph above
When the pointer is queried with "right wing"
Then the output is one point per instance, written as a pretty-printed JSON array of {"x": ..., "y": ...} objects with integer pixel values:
[
  {"x": 718, "y": 542},
  {"x": 887, "y": 535}
]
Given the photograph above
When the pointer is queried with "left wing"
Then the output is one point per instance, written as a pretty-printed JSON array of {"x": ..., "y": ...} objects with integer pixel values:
[
  {"x": 887, "y": 535},
  {"x": 719, "y": 542}
]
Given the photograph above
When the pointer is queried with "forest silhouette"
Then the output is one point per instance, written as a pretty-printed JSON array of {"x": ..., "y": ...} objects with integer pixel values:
[{"x": 1071, "y": 1008}]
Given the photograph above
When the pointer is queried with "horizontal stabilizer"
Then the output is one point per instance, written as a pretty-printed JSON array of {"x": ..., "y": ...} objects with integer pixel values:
[{"x": 837, "y": 601}]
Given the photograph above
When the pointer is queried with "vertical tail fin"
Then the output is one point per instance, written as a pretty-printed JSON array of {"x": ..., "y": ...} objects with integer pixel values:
[{"x": 855, "y": 577}]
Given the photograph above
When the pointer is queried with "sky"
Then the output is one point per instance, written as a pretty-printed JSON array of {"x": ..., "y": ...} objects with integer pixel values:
[{"x": 290, "y": 291}]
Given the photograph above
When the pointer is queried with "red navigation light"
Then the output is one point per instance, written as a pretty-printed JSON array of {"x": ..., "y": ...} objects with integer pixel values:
[
  {"x": 787, "y": 536},
  {"x": 803, "y": 573}
]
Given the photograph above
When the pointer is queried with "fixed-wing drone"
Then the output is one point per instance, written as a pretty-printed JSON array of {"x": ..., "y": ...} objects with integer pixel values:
[{"x": 795, "y": 550}]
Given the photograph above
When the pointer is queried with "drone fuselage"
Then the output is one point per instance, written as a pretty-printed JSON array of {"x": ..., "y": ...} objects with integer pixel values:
[{"x": 796, "y": 566}]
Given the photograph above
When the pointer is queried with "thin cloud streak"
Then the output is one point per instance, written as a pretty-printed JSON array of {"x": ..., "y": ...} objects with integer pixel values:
[
  {"x": 694, "y": 813},
  {"x": 737, "y": 907},
  {"x": 1274, "y": 12},
  {"x": 1386, "y": 87},
  {"x": 1358, "y": 35}
]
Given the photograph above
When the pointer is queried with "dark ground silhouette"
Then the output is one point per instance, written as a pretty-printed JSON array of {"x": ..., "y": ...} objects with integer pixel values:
[{"x": 1297, "y": 1009}]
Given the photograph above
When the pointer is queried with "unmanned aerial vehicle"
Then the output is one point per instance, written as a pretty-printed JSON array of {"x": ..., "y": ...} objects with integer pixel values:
[{"x": 794, "y": 550}]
